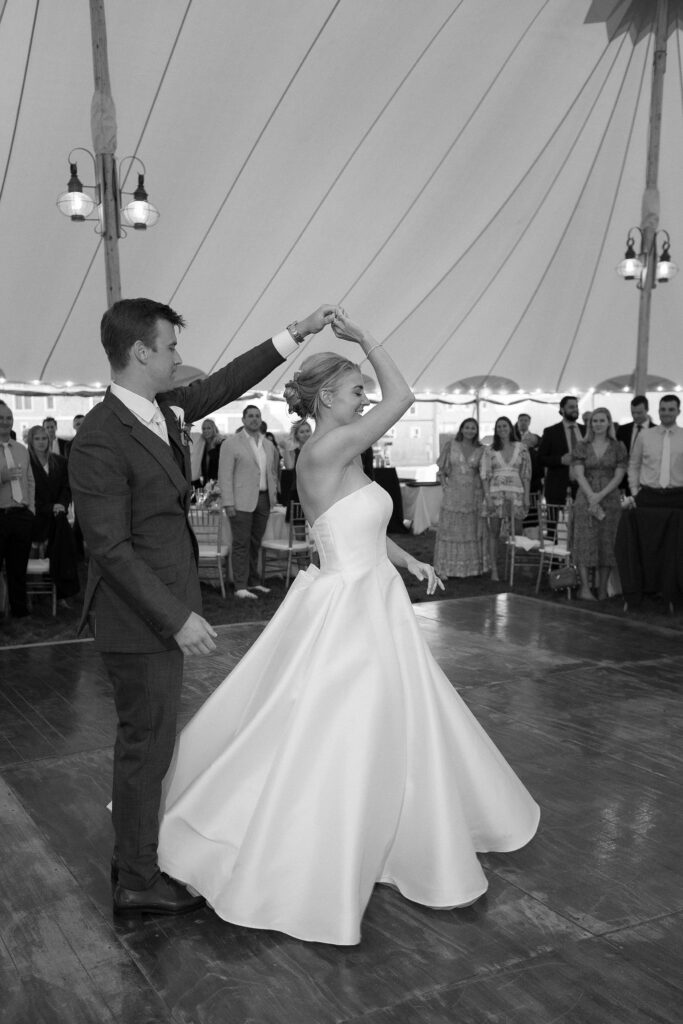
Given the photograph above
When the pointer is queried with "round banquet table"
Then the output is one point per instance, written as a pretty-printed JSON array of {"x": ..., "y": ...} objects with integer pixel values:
[{"x": 421, "y": 505}]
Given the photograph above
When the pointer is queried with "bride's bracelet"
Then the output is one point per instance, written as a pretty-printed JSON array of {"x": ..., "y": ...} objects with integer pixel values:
[{"x": 367, "y": 354}]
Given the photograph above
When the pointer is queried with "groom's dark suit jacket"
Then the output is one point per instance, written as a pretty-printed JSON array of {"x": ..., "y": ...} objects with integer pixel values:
[{"x": 131, "y": 493}]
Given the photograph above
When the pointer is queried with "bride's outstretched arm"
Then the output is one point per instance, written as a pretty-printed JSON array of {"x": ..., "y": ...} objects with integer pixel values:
[{"x": 421, "y": 570}]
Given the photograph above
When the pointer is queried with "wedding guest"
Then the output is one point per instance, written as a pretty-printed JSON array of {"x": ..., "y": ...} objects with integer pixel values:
[
  {"x": 17, "y": 502},
  {"x": 655, "y": 468},
  {"x": 76, "y": 424},
  {"x": 58, "y": 445},
  {"x": 299, "y": 434},
  {"x": 248, "y": 486},
  {"x": 628, "y": 432},
  {"x": 51, "y": 527},
  {"x": 77, "y": 532},
  {"x": 532, "y": 441},
  {"x": 506, "y": 474},
  {"x": 205, "y": 454},
  {"x": 277, "y": 455},
  {"x": 599, "y": 463},
  {"x": 522, "y": 426},
  {"x": 555, "y": 452},
  {"x": 461, "y": 547}
]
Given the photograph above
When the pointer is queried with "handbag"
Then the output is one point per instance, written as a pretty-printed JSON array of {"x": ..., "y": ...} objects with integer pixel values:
[{"x": 564, "y": 578}]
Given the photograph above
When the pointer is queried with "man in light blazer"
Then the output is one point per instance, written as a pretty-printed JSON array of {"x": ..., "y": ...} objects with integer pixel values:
[
  {"x": 248, "y": 486},
  {"x": 129, "y": 469}
]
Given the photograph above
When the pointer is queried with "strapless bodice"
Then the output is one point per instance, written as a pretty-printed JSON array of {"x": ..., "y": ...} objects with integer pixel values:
[{"x": 350, "y": 536}]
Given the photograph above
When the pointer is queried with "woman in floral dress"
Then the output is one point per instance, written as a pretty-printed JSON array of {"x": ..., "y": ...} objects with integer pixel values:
[
  {"x": 506, "y": 473},
  {"x": 460, "y": 548},
  {"x": 599, "y": 463}
]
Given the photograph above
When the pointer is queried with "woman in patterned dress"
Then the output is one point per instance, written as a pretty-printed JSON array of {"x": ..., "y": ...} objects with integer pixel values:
[
  {"x": 599, "y": 463},
  {"x": 506, "y": 473},
  {"x": 461, "y": 549}
]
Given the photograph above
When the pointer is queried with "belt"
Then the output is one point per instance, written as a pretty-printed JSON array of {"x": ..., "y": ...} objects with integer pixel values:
[{"x": 16, "y": 508}]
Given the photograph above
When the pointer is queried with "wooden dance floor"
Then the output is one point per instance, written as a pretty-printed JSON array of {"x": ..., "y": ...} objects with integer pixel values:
[{"x": 583, "y": 926}]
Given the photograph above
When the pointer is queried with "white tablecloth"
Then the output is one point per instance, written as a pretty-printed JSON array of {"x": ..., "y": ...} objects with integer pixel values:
[{"x": 422, "y": 505}]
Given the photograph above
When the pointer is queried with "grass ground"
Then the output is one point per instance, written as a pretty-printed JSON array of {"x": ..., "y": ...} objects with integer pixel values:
[{"x": 42, "y": 627}]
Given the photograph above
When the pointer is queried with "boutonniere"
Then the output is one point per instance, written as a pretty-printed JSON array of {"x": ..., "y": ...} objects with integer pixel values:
[{"x": 183, "y": 427}]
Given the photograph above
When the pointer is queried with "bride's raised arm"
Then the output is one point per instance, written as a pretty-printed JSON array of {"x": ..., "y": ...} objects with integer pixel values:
[{"x": 357, "y": 433}]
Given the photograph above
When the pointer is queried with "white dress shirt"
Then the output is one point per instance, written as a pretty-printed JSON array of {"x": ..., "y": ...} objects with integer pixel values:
[
  {"x": 151, "y": 416},
  {"x": 148, "y": 413},
  {"x": 260, "y": 452},
  {"x": 645, "y": 462}
]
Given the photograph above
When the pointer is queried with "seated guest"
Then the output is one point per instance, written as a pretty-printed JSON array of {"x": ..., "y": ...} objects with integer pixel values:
[
  {"x": 50, "y": 525},
  {"x": 205, "y": 454},
  {"x": 628, "y": 432},
  {"x": 655, "y": 467},
  {"x": 599, "y": 464}
]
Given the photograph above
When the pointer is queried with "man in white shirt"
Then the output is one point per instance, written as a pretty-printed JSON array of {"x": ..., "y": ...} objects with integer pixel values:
[
  {"x": 628, "y": 432},
  {"x": 129, "y": 468},
  {"x": 655, "y": 468},
  {"x": 248, "y": 486}
]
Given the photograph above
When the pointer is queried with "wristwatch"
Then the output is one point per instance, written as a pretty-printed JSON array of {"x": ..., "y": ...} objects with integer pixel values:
[{"x": 293, "y": 329}]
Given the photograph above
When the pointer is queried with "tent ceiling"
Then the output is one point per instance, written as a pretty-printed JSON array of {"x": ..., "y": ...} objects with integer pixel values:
[{"x": 461, "y": 174}]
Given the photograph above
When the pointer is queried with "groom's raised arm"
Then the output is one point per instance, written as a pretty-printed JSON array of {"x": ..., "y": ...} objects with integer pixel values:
[{"x": 243, "y": 373}]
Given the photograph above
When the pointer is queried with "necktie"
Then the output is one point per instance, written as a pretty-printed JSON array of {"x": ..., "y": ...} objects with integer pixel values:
[
  {"x": 573, "y": 439},
  {"x": 160, "y": 427},
  {"x": 665, "y": 468},
  {"x": 14, "y": 484},
  {"x": 634, "y": 435}
]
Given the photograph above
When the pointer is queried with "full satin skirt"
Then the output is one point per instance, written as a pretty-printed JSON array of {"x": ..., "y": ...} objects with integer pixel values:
[{"x": 337, "y": 755}]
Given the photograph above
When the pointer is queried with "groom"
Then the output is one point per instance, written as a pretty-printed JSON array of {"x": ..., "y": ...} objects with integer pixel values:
[{"x": 129, "y": 468}]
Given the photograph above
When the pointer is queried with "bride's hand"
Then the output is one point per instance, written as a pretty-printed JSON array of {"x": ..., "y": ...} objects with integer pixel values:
[
  {"x": 424, "y": 571},
  {"x": 315, "y": 321},
  {"x": 345, "y": 328}
]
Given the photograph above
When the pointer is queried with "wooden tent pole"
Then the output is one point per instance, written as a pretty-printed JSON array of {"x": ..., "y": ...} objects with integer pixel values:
[
  {"x": 103, "y": 128},
  {"x": 650, "y": 209}
]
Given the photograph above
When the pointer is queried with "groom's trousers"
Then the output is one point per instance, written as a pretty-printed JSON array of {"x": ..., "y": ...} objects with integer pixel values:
[{"x": 147, "y": 696}]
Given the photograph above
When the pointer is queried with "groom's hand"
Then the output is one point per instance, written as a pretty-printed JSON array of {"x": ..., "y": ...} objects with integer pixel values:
[
  {"x": 195, "y": 636},
  {"x": 315, "y": 322}
]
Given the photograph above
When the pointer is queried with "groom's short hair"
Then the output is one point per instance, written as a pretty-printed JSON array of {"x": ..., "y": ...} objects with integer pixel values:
[{"x": 131, "y": 320}]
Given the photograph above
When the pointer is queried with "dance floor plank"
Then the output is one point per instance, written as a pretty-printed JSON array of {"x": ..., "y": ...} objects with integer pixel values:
[{"x": 584, "y": 925}]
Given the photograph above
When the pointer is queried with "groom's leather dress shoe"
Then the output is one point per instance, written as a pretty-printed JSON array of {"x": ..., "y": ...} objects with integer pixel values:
[{"x": 166, "y": 896}]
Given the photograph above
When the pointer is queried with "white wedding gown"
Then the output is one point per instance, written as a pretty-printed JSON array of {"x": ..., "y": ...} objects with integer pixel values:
[{"x": 337, "y": 755}]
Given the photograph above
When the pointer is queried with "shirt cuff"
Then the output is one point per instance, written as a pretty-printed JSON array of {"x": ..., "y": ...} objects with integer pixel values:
[{"x": 284, "y": 343}]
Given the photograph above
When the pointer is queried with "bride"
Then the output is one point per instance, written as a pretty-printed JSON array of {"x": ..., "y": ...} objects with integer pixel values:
[{"x": 337, "y": 754}]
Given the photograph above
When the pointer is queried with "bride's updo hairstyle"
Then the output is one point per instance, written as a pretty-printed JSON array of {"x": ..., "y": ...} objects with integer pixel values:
[{"x": 320, "y": 372}]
